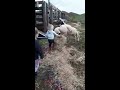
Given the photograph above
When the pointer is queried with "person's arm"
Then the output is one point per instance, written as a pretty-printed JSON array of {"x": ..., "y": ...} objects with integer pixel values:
[
  {"x": 56, "y": 34},
  {"x": 46, "y": 34},
  {"x": 39, "y": 49}
]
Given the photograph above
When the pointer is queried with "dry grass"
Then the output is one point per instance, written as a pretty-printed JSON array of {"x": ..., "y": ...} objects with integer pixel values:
[
  {"x": 62, "y": 65},
  {"x": 66, "y": 64},
  {"x": 80, "y": 45}
]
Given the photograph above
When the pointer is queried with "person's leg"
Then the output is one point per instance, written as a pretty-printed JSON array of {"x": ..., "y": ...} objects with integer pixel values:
[
  {"x": 36, "y": 67},
  {"x": 49, "y": 45},
  {"x": 53, "y": 44}
]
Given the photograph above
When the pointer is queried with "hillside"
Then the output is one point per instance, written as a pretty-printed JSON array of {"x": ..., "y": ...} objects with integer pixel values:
[{"x": 75, "y": 17}]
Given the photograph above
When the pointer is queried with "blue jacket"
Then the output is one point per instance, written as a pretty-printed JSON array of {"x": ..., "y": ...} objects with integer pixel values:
[{"x": 51, "y": 34}]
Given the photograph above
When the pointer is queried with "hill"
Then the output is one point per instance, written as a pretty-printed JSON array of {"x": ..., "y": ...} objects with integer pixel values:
[{"x": 73, "y": 17}]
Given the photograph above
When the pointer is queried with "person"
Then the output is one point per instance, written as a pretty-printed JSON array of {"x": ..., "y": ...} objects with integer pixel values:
[
  {"x": 51, "y": 36},
  {"x": 38, "y": 53}
]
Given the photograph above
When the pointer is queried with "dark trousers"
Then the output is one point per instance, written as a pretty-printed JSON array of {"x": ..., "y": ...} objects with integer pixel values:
[{"x": 51, "y": 42}]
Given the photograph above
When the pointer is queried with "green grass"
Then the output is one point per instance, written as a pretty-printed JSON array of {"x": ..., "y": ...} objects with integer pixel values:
[
  {"x": 81, "y": 43},
  {"x": 43, "y": 42},
  {"x": 83, "y": 26},
  {"x": 73, "y": 17}
]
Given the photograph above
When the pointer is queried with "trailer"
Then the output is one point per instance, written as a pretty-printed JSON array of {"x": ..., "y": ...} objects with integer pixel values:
[
  {"x": 46, "y": 13},
  {"x": 41, "y": 15}
]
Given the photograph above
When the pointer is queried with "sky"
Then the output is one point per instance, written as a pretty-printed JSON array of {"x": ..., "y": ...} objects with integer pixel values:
[{"x": 76, "y": 6}]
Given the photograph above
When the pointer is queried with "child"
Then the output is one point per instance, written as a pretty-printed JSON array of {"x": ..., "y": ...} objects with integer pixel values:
[{"x": 51, "y": 36}]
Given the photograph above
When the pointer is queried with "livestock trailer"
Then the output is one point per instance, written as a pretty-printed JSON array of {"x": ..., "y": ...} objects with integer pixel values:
[{"x": 46, "y": 13}]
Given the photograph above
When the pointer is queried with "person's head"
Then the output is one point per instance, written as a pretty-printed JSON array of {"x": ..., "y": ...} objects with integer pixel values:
[
  {"x": 36, "y": 32},
  {"x": 50, "y": 27}
]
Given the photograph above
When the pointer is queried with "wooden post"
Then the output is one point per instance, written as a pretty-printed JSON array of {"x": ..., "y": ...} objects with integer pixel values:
[
  {"x": 47, "y": 14},
  {"x": 44, "y": 17},
  {"x": 51, "y": 14}
]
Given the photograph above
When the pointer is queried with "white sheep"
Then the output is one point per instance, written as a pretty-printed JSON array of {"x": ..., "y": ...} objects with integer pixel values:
[
  {"x": 57, "y": 30},
  {"x": 68, "y": 30}
]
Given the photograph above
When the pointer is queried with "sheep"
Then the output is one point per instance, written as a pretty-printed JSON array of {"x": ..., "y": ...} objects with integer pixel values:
[
  {"x": 57, "y": 30},
  {"x": 68, "y": 30}
]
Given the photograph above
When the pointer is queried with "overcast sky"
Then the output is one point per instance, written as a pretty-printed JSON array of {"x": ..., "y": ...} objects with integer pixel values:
[{"x": 76, "y": 6}]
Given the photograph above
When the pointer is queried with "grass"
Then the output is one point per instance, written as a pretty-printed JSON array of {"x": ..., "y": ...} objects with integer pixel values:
[
  {"x": 66, "y": 65},
  {"x": 63, "y": 69},
  {"x": 76, "y": 17},
  {"x": 80, "y": 45},
  {"x": 43, "y": 42}
]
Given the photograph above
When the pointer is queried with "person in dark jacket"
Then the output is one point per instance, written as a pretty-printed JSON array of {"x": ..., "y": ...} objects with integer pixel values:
[{"x": 38, "y": 53}]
